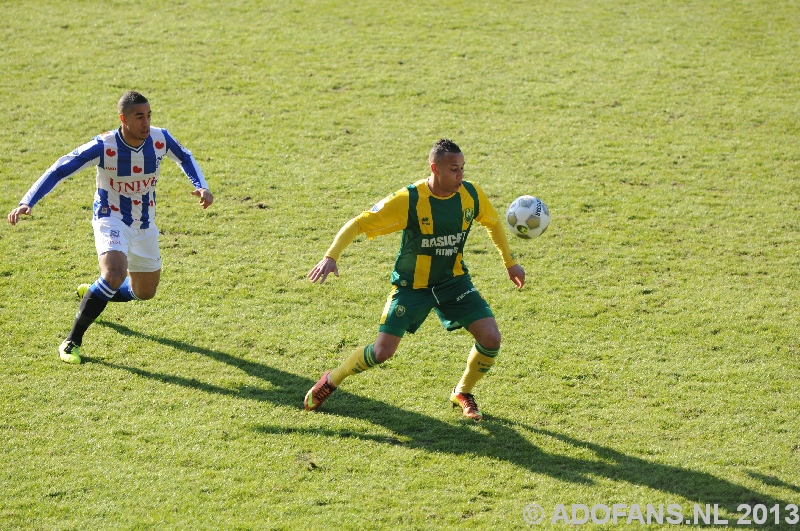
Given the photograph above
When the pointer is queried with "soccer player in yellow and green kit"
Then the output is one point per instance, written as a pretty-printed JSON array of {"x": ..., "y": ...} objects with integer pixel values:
[{"x": 435, "y": 215}]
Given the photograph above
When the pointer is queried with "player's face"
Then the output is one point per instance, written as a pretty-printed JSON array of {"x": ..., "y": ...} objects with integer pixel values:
[
  {"x": 136, "y": 124},
  {"x": 448, "y": 172}
]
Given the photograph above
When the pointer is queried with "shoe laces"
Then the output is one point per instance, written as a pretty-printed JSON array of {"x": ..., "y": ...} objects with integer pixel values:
[
  {"x": 324, "y": 391},
  {"x": 467, "y": 401}
]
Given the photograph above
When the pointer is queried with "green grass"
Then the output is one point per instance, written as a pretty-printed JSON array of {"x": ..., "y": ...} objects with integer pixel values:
[{"x": 653, "y": 356}]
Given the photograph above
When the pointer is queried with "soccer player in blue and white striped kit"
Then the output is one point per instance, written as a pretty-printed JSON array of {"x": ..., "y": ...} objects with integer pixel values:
[{"x": 128, "y": 163}]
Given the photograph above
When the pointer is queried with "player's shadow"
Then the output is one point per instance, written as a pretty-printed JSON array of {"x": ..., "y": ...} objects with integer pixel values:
[{"x": 496, "y": 438}]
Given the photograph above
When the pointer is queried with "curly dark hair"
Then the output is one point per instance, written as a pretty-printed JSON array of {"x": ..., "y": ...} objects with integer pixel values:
[
  {"x": 442, "y": 146},
  {"x": 128, "y": 100}
]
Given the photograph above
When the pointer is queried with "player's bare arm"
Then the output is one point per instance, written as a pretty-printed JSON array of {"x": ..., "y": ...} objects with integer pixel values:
[
  {"x": 325, "y": 267},
  {"x": 206, "y": 197},
  {"x": 13, "y": 216},
  {"x": 517, "y": 275}
]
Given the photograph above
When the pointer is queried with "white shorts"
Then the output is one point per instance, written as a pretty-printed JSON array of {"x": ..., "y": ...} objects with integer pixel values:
[{"x": 139, "y": 245}]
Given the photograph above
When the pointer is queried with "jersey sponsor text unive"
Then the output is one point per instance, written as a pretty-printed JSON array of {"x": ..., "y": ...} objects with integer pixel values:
[{"x": 126, "y": 176}]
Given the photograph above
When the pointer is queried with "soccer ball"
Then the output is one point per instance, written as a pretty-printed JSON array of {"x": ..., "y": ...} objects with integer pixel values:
[{"x": 527, "y": 217}]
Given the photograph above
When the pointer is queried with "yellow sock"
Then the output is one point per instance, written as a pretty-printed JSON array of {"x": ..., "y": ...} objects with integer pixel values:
[
  {"x": 360, "y": 360},
  {"x": 479, "y": 362}
]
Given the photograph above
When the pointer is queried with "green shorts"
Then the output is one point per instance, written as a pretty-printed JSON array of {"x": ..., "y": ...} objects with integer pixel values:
[{"x": 456, "y": 301}]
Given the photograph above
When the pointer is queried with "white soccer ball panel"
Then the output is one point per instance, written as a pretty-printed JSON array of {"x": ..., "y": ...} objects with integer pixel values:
[{"x": 527, "y": 217}]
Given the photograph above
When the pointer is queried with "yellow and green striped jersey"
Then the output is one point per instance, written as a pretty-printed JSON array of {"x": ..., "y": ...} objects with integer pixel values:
[{"x": 435, "y": 230}]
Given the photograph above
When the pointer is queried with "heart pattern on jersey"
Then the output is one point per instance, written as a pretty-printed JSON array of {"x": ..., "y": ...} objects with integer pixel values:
[
  {"x": 110, "y": 152},
  {"x": 137, "y": 202},
  {"x": 137, "y": 169},
  {"x": 159, "y": 145}
]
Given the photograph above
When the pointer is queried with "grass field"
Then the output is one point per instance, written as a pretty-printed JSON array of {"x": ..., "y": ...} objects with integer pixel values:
[{"x": 652, "y": 357}]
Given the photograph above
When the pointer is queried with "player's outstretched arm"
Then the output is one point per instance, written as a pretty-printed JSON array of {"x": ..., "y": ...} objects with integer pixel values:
[
  {"x": 325, "y": 267},
  {"x": 13, "y": 216},
  {"x": 517, "y": 275},
  {"x": 206, "y": 197}
]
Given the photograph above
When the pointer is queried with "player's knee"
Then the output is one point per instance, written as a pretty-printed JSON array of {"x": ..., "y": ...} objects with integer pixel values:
[
  {"x": 486, "y": 333},
  {"x": 144, "y": 289},
  {"x": 114, "y": 278},
  {"x": 146, "y": 295},
  {"x": 490, "y": 339}
]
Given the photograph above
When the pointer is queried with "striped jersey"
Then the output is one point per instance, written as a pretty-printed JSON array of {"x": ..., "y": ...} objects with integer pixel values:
[
  {"x": 434, "y": 229},
  {"x": 126, "y": 176}
]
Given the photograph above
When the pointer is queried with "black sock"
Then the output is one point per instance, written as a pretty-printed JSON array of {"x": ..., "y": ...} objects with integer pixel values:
[
  {"x": 91, "y": 307},
  {"x": 119, "y": 297}
]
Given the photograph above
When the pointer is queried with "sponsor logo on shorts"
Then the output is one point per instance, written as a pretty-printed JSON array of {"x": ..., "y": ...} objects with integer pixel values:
[{"x": 465, "y": 294}]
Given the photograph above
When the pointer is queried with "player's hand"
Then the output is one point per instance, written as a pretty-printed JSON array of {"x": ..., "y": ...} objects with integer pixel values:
[
  {"x": 517, "y": 275},
  {"x": 13, "y": 216},
  {"x": 206, "y": 197},
  {"x": 321, "y": 271}
]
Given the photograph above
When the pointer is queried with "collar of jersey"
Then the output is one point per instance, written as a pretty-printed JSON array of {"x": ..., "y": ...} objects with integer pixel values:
[
  {"x": 431, "y": 194},
  {"x": 135, "y": 150}
]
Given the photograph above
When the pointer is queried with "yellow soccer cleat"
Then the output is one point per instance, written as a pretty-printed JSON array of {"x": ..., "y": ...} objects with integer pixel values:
[
  {"x": 69, "y": 352},
  {"x": 81, "y": 291}
]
